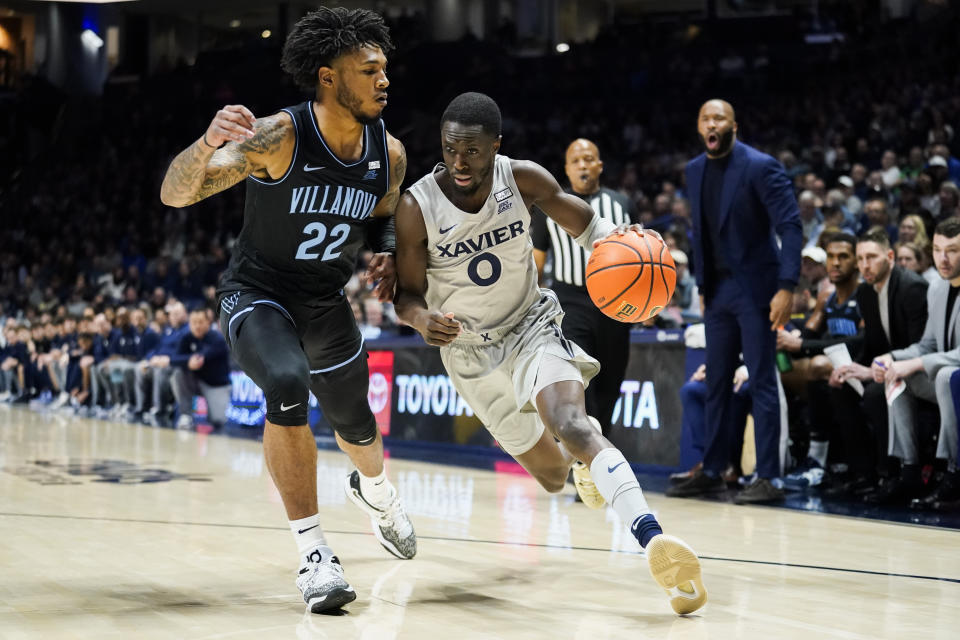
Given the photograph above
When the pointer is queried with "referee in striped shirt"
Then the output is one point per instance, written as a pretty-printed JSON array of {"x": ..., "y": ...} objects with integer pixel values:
[{"x": 603, "y": 338}]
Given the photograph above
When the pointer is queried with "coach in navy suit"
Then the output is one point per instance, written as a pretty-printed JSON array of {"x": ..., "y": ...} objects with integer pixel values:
[{"x": 741, "y": 201}]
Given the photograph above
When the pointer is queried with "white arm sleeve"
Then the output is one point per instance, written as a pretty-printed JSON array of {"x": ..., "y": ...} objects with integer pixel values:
[{"x": 598, "y": 229}]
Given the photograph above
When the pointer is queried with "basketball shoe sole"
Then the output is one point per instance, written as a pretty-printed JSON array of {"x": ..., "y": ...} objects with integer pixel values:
[{"x": 676, "y": 568}]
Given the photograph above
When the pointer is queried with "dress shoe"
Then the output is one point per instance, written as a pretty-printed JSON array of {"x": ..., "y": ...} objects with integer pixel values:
[
  {"x": 894, "y": 491},
  {"x": 759, "y": 491},
  {"x": 947, "y": 491},
  {"x": 676, "y": 478},
  {"x": 731, "y": 476},
  {"x": 850, "y": 486},
  {"x": 699, "y": 484}
]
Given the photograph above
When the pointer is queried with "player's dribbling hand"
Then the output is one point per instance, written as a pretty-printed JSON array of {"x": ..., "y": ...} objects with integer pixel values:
[
  {"x": 233, "y": 123},
  {"x": 439, "y": 329},
  {"x": 624, "y": 228},
  {"x": 382, "y": 269}
]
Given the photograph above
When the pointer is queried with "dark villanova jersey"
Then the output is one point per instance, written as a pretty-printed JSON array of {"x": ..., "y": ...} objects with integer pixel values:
[
  {"x": 844, "y": 319},
  {"x": 301, "y": 233}
]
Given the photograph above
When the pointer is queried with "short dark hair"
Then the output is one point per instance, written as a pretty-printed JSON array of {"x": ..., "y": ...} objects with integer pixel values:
[
  {"x": 322, "y": 36},
  {"x": 949, "y": 228},
  {"x": 474, "y": 109},
  {"x": 878, "y": 235},
  {"x": 849, "y": 238}
]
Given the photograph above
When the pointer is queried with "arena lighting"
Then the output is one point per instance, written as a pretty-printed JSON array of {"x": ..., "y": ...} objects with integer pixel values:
[
  {"x": 266, "y": 33},
  {"x": 234, "y": 24},
  {"x": 563, "y": 47},
  {"x": 90, "y": 39}
]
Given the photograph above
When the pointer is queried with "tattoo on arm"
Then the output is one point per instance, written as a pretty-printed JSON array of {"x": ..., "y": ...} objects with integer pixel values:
[
  {"x": 195, "y": 174},
  {"x": 398, "y": 171}
]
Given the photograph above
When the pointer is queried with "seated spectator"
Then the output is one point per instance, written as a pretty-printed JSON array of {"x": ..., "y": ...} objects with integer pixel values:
[
  {"x": 835, "y": 318},
  {"x": 813, "y": 270},
  {"x": 913, "y": 229},
  {"x": 202, "y": 368},
  {"x": 912, "y": 256},
  {"x": 12, "y": 357},
  {"x": 853, "y": 204},
  {"x": 925, "y": 367},
  {"x": 685, "y": 299},
  {"x": 116, "y": 371},
  {"x": 82, "y": 359},
  {"x": 372, "y": 325},
  {"x": 949, "y": 200},
  {"x": 892, "y": 303},
  {"x": 877, "y": 214},
  {"x": 693, "y": 396},
  {"x": 153, "y": 372},
  {"x": 810, "y": 217}
]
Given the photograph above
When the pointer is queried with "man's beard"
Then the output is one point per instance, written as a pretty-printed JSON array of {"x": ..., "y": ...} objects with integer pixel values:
[
  {"x": 724, "y": 145},
  {"x": 354, "y": 104}
]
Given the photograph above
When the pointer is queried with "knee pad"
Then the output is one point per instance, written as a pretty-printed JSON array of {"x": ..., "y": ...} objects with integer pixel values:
[
  {"x": 359, "y": 434},
  {"x": 288, "y": 395}
]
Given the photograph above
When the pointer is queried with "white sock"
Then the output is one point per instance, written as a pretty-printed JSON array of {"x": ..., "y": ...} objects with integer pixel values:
[
  {"x": 615, "y": 480},
  {"x": 376, "y": 490},
  {"x": 818, "y": 451},
  {"x": 308, "y": 534}
]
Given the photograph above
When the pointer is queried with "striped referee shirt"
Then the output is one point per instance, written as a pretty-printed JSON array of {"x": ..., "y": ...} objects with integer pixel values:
[{"x": 569, "y": 258}]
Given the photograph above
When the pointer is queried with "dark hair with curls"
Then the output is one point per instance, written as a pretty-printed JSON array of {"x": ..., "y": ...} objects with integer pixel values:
[{"x": 322, "y": 36}]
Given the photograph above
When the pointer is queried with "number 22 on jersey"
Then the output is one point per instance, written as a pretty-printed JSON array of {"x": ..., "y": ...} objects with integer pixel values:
[{"x": 318, "y": 233}]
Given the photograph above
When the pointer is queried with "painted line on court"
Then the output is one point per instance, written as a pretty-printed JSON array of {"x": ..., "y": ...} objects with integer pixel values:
[{"x": 770, "y": 563}]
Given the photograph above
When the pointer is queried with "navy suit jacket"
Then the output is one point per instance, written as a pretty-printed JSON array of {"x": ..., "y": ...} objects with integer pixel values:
[{"x": 756, "y": 201}]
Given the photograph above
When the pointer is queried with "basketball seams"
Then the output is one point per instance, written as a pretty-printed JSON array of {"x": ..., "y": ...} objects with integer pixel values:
[
  {"x": 631, "y": 264},
  {"x": 625, "y": 289},
  {"x": 629, "y": 246},
  {"x": 646, "y": 304}
]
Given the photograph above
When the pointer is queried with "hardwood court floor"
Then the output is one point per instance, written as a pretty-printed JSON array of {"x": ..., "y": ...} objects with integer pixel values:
[{"x": 116, "y": 531}]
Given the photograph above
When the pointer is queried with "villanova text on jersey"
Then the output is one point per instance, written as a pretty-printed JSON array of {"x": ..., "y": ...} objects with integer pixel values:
[
  {"x": 303, "y": 231},
  {"x": 350, "y": 202}
]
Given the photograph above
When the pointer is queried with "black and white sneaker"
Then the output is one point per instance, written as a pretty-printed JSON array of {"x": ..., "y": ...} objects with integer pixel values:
[
  {"x": 390, "y": 524},
  {"x": 321, "y": 582}
]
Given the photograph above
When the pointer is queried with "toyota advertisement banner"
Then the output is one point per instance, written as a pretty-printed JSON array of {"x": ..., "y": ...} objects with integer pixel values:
[{"x": 413, "y": 399}]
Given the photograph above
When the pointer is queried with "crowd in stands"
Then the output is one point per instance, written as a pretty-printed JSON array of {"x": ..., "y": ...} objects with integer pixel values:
[{"x": 97, "y": 276}]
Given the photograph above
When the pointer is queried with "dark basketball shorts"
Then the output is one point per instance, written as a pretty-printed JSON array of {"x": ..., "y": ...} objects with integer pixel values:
[{"x": 288, "y": 349}]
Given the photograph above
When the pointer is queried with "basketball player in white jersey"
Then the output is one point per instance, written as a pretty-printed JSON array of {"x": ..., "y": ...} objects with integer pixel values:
[{"x": 467, "y": 282}]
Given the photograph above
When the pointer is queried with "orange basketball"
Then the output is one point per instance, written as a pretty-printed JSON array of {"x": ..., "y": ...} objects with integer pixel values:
[{"x": 631, "y": 277}]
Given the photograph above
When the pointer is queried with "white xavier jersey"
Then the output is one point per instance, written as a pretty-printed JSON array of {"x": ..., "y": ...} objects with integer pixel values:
[{"x": 479, "y": 265}]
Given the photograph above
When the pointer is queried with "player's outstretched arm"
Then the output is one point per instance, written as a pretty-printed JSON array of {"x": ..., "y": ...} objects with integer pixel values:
[
  {"x": 573, "y": 214},
  {"x": 263, "y": 147},
  {"x": 540, "y": 188},
  {"x": 381, "y": 233},
  {"x": 437, "y": 328}
]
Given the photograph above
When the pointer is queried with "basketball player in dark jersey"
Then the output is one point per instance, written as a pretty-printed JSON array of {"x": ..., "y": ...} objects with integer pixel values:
[
  {"x": 602, "y": 337},
  {"x": 322, "y": 179},
  {"x": 835, "y": 319}
]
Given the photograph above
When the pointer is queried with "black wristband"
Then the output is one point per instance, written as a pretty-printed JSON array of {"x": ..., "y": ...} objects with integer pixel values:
[
  {"x": 207, "y": 143},
  {"x": 382, "y": 234}
]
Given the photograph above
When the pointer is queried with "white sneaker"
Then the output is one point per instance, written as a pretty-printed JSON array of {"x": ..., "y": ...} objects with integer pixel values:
[
  {"x": 61, "y": 400},
  {"x": 321, "y": 581},
  {"x": 184, "y": 422},
  {"x": 390, "y": 524}
]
